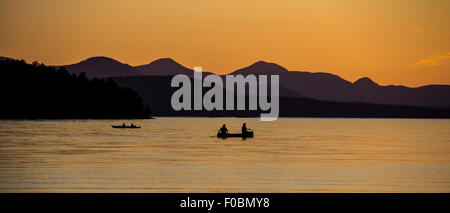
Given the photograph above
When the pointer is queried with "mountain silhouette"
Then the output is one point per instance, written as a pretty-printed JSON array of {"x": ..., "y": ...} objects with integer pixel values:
[
  {"x": 261, "y": 68},
  {"x": 164, "y": 67},
  {"x": 156, "y": 92},
  {"x": 320, "y": 86},
  {"x": 38, "y": 91},
  {"x": 365, "y": 82},
  {"x": 102, "y": 67},
  {"x": 329, "y": 87}
]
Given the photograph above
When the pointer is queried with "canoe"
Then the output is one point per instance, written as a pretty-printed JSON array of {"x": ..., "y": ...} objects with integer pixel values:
[
  {"x": 235, "y": 135},
  {"x": 126, "y": 127}
]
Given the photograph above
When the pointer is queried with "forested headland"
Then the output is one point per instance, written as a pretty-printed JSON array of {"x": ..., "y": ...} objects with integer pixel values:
[{"x": 37, "y": 91}]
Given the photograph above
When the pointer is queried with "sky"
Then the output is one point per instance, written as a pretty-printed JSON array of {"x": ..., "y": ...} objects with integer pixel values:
[{"x": 394, "y": 42}]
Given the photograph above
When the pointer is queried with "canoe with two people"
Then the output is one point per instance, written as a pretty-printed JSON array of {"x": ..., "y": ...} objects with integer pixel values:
[
  {"x": 123, "y": 126},
  {"x": 246, "y": 133}
]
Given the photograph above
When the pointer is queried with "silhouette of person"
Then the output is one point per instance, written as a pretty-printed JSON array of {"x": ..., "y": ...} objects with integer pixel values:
[
  {"x": 244, "y": 128},
  {"x": 223, "y": 129},
  {"x": 123, "y": 124},
  {"x": 132, "y": 125}
]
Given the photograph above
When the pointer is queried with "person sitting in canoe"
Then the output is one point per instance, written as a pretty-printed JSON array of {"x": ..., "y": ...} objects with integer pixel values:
[
  {"x": 244, "y": 129},
  {"x": 132, "y": 125},
  {"x": 223, "y": 130},
  {"x": 123, "y": 124}
]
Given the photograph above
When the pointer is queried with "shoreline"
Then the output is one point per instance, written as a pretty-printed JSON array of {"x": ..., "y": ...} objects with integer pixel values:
[{"x": 215, "y": 117}]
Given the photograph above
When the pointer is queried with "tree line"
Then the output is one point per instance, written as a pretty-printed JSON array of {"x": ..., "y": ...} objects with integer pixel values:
[{"x": 37, "y": 91}]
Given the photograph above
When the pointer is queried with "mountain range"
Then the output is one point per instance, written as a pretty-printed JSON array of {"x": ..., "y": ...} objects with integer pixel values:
[{"x": 319, "y": 86}]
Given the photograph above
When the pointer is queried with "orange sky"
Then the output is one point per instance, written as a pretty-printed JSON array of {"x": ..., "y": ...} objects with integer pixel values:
[{"x": 391, "y": 41}]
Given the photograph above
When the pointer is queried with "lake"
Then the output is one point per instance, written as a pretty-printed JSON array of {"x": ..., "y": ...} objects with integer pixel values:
[{"x": 184, "y": 155}]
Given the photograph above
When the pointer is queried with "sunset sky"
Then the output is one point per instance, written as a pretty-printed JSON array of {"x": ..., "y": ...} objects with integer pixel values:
[{"x": 391, "y": 41}]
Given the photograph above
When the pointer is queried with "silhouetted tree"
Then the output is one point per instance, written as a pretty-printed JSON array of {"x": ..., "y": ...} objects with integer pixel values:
[{"x": 32, "y": 91}]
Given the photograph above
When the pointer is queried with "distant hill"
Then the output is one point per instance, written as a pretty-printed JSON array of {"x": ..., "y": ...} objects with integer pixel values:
[
  {"x": 166, "y": 67},
  {"x": 102, "y": 67},
  {"x": 169, "y": 67},
  {"x": 156, "y": 92},
  {"x": 261, "y": 68},
  {"x": 325, "y": 86},
  {"x": 320, "y": 86}
]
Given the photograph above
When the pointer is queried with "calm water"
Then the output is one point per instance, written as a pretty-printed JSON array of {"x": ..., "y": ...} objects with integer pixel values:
[{"x": 183, "y": 155}]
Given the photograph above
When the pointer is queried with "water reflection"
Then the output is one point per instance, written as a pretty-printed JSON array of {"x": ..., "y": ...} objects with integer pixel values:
[{"x": 184, "y": 155}]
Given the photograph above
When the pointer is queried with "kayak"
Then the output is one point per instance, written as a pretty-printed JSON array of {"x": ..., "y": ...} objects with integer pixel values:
[
  {"x": 126, "y": 127},
  {"x": 235, "y": 135}
]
